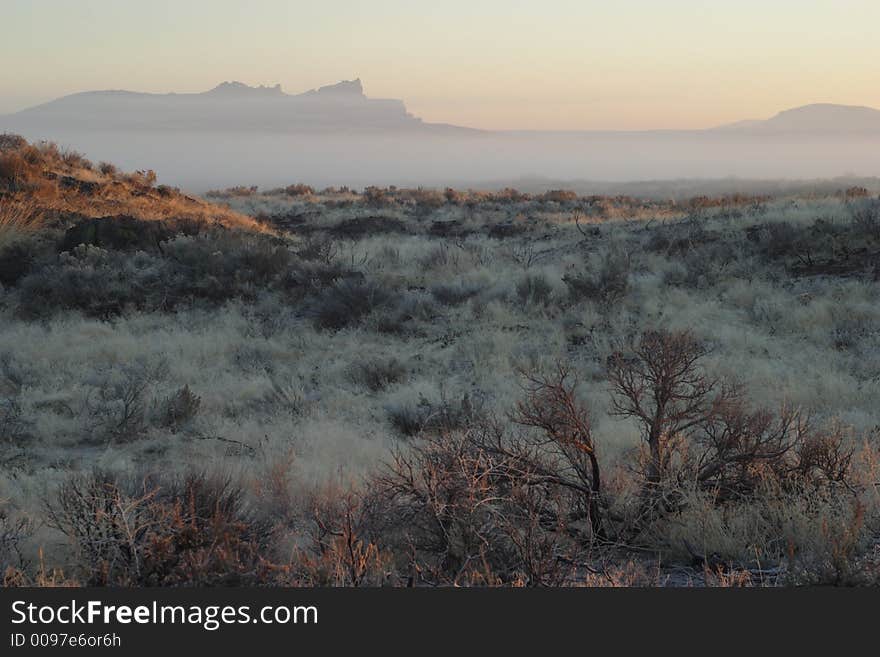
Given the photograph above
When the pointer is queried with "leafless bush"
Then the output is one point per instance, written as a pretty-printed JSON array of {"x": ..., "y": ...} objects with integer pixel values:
[
  {"x": 118, "y": 413},
  {"x": 448, "y": 499},
  {"x": 13, "y": 426},
  {"x": 708, "y": 426},
  {"x": 337, "y": 549},
  {"x": 608, "y": 285},
  {"x": 190, "y": 531},
  {"x": 484, "y": 505},
  {"x": 660, "y": 384},
  {"x": 318, "y": 248},
  {"x": 551, "y": 405},
  {"x": 13, "y": 532},
  {"x": 866, "y": 218}
]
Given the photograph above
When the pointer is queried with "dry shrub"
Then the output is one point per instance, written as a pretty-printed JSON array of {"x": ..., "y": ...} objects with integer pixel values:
[
  {"x": 337, "y": 549},
  {"x": 298, "y": 189},
  {"x": 457, "y": 513},
  {"x": 108, "y": 169},
  {"x": 377, "y": 374},
  {"x": 349, "y": 301},
  {"x": 558, "y": 196},
  {"x": 534, "y": 290},
  {"x": 426, "y": 416},
  {"x": 551, "y": 405},
  {"x": 455, "y": 294},
  {"x": 483, "y": 505},
  {"x": 190, "y": 531},
  {"x": 18, "y": 218},
  {"x": 866, "y": 218},
  {"x": 318, "y": 248},
  {"x": 13, "y": 533},
  {"x": 179, "y": 409},
  {"x": 702, "y": 429},
  {"x": 607, "y": 285},
  {"x": 14, "y": 171}
]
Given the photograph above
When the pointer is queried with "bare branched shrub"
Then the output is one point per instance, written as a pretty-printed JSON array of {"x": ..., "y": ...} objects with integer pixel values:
[
  {"x": 659, "y": 383},
  {"x": 318, "y": 248},
  {"x": 482, "y": 508},
  {"x": 708, "y": 426},
  {"x": 607, "y": 286},
  {"x": 117, "y": 413},
  {"x": 485, "y": 505},
  {"x": 551, "y": 405},
  {"x": 13, "y": 532},
  {"x": 448, "y": 499},
  {"x": 866, "y": 218},
  {"x": 738, "y": 449},
  {"x": 338, "y": 550},
  {"x": 190, "y": 531},
  {"x": 13, "y": 426}
]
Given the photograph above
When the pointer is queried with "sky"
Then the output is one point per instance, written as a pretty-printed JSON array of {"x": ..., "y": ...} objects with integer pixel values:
[{"x": 494, "y": 64}]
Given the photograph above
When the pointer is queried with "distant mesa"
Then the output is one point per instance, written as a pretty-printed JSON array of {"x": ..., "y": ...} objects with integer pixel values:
[
  {"x": 346, "y": 87},
  {"x": 231, "y": 106},
  {"x": 239, "y": 89},
  {"x": 818, "y": 118}
]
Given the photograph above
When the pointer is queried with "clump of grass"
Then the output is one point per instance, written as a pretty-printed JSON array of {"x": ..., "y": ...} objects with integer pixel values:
[
  {"x": 377, "y": 374},
  {"x": 180, "y": 408},
  {"x": 348, "y": 301},
  {"x": 17, "y": 219},
  {"x": 535, "y": 290}
]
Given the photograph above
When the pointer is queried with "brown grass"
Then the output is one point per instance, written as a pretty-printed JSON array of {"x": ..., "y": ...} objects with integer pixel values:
[
  {"x": 17, "y": 218},
  {"x": 41, "y": 181}
]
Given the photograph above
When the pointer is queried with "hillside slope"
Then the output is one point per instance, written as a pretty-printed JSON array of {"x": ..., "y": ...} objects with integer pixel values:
[{"x": 42, "y": 184}]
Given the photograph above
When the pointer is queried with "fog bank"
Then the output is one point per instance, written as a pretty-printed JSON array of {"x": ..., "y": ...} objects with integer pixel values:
[{"x": 204, "y": 160}]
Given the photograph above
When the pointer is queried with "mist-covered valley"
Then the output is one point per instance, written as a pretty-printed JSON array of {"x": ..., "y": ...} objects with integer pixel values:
[{"x": 337, "y": 135}]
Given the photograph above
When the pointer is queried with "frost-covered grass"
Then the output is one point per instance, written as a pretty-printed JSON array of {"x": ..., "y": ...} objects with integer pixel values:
[{"x": 453, "y": 318}]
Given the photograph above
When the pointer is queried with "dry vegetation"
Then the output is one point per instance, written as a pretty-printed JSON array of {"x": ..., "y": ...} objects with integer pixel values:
[
  {"x": 42, "y": 180},
  {"x": 418, "y": 387}
]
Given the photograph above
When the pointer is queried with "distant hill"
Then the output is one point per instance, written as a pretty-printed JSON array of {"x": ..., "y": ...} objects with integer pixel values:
[
  {"x": 228, "y": 107},
  {"x": 236, "y": 134},
  {"x": 819, "y": 118}
]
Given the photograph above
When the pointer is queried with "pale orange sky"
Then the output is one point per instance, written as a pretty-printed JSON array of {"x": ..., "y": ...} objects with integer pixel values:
[{"x": 555, "y": 64}]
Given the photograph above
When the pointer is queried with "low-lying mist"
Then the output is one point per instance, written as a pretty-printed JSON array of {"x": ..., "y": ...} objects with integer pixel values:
[{"x": 200, "y": 161}]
